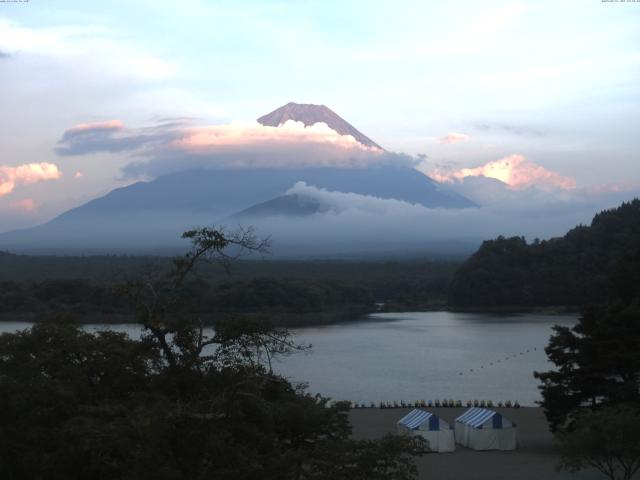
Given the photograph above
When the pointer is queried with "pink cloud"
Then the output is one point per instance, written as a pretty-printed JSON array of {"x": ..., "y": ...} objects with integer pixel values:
[
  {"x": 252, "y": 145},
  {"x": 26, "y": 205},
  {"x": 106, "y": 125},
  {"x": 78, "y": 174},
  {"x": 515, "y": 170},
  {"x": 179, "y": 145},
  {"x": 250, "y": 133},
  {"x": 454, "y": 137},
  {"x": 26, "y": 174}
]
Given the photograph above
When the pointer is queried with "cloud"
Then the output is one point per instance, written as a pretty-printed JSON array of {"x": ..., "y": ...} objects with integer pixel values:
[
  {"x": 202, "y": 139},
  {"x": 95, "y": 48},
  {"x": 454, "y": 137},
  {"x": 177, "y": 144},
  {"x": 497, "y": 20},
  {"x": 25, "y": 205},
  {"x": 515, "y": 171},
  {"x": 349, "y": 222},
  {"x": 4, "y": 55},
  {"x": 614, "y": 187},
  {"x": 78, "y": 175},
  {"x": 251, "y": 145},
  {"x": 519, "y": 130},
  {"x": 340, "y": 202},
  {"x": 26, "y": 174},
  {"x": 106, "y": 126},
  {"x": 108, "y": 136},
  {"x": 534, "y": 200}
]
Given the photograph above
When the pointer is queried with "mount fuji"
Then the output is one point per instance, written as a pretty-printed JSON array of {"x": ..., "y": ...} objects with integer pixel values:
[{"x": 150, "y": 216}]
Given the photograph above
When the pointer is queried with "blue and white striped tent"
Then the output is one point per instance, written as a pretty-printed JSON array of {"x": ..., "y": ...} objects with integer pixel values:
[
  {"x": 483, "y": 429},
  {"x": 436, "y": 431}
]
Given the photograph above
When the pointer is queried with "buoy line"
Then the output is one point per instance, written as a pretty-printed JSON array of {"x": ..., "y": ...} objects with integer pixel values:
[{"x": 508, "y": 357}]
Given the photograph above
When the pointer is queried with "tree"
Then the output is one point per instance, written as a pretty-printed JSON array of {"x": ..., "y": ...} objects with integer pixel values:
[
  {"x": 598, "y": 360},
  {"x": 607, "y": 440},
  {"x": 160, "y": 303},
  {"x": 175, "y": 404},
  {"x": 572, "y": 270},
  {"x": 66, "y": 394}
]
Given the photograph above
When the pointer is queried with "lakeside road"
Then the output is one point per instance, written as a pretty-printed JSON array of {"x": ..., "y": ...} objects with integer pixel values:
[{"x": 535, "y": 458}]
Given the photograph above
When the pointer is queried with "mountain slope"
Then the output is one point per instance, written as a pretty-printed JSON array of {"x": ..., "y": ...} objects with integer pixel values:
[
  {"x": 291, "y": 205},
  {"x": 154, "y": 214},
  {"x": 571, "y": 270},
  {"x": 310, "y": 114}
]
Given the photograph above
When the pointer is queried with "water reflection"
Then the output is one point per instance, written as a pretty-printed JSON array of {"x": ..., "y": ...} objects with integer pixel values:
[{"x": 416, "y": 355}]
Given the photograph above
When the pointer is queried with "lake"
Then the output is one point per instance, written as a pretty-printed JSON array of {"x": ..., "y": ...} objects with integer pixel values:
[{"x": 418, "y": 356}]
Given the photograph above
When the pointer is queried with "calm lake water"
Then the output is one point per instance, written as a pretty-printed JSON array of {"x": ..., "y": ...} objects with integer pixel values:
[{"x": 415, "y": 356}]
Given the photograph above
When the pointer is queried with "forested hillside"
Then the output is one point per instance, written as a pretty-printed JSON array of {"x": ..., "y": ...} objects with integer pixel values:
[
  {"x": 287, "y": 292},
  {"x": 570, "y": 271}
]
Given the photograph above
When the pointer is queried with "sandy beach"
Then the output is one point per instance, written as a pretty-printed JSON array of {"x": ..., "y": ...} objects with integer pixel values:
[{"x": 535, "y": 458}]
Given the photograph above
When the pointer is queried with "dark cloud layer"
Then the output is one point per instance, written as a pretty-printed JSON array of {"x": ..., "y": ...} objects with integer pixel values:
[
  {"x": 111, "y": 137},
  {"x": 292, "y": 157},
  {"x": 175, "y": 144}
]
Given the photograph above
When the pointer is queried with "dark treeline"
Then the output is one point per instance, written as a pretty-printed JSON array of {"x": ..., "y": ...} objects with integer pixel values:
[
  {"x": 287, "y": 292},
  {"x": 570, "y": 271}
]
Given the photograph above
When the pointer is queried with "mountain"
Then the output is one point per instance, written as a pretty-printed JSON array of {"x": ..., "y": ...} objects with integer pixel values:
[
  {"x": 572, "y": 270},
  {"x": 484, "y": 190},
  {"x": 150, "y": 216},
  {"x": 153, "y": 214},
  {"x": 291, "y": 205},
  {"x": 310, "y": 114}
]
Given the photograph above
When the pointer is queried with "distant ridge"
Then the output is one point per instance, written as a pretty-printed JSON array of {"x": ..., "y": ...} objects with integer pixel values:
[
  {"x": 153, "y": 214},
  {"x": 294, "y": 205},
  {"x": 310, "y": 114}
]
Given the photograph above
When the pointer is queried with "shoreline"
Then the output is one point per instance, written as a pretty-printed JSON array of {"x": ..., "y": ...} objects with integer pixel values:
[
  {"x": 286, "y": 319},
  {"x": 544, "y": 310},
  {"x": 535, "y": 457},
  {"x": 309, "y": 319},
  {"x": 507, "y": 309}
]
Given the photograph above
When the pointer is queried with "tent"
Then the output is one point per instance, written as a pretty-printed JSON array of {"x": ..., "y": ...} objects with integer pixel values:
[
  {"x": 436, "y": 431},
  {"x": 482, "y": 429}
]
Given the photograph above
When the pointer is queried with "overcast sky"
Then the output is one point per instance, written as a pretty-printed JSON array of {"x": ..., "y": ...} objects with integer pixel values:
[{"x": 466, "y": 82}]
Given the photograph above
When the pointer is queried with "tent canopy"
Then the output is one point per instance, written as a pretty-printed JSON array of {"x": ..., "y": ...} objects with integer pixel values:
[
  {"x": 419, "y": 419},
  {"x": 438, "y": 433},
  {"x": 483, "y": 418}
]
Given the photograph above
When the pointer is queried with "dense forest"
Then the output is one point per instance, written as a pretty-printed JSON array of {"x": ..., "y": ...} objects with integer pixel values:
[
  {"x": 286, "y": 292},
  {"x": 569, "y": 271}
]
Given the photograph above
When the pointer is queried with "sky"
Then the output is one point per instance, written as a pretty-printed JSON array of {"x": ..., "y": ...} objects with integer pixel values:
[{"x": 553, "y": 86}]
